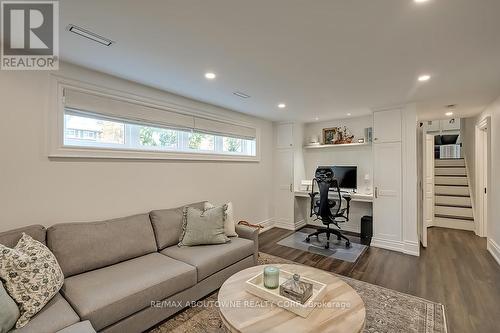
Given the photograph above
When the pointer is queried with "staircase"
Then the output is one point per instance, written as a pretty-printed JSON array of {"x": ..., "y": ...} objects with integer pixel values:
[{"x": 453, "y": 206}]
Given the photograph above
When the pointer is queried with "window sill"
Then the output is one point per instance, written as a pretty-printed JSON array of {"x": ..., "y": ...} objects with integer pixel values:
[{"x": 125, "y": 154}]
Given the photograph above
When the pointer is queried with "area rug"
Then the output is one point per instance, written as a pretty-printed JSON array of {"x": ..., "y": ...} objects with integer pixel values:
[
  {"x": 387, "y": 311},
  {"x": 316, "y": 245}
]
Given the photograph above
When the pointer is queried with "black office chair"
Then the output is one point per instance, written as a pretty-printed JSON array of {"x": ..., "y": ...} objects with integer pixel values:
[{"x": 329, "y": 211}]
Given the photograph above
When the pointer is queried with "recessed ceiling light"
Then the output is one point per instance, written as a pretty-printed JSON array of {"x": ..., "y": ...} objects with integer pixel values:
[
  {"x": 210, "y": 75},
  {"x": 424, "y": 77},
  {"x": 317, "y": 118},
  {"x": 420, "y": 1},
  {"x": 89, "y": 35},
  {"x": 282, "y": 105},
  {"x": 449, "y": 114},
  {"x": 349, "y": 114}
]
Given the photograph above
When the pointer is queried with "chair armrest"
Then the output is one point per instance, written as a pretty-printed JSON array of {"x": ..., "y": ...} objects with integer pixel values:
[{"x": 252, "y": 234}]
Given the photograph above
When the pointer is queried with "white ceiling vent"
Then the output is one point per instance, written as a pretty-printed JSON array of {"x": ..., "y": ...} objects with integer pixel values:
[{"x": 89, "y": 35}]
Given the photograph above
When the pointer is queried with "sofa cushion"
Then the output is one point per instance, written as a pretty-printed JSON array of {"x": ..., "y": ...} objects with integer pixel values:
[
  {"x": 209, "y": 259},
  {"x": 81, "y": 327},
  {"x": 167, "y": 224},
  {"x": 54, "y": 316},
  {"x": 81, "y": 247},
  {"x": 109, "y": 294},
  {"x": 203, "y": 227},
  {"x": 11, "y": 237}
]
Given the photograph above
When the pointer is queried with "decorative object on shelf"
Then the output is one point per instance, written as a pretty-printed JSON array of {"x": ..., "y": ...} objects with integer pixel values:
[
  {"x": 368, "y": 134},
  {"x": 361, "y": 140},
  {"x": 337, "y": 135},
  {"x": 271, "y": 277},
  {"x": 313, "y": 140},
  {"x": 296, "y": 290}
]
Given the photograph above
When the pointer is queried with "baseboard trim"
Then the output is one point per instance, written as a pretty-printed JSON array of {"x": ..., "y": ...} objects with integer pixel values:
[
  {"x": 493, "y": 249},
  {"x": 266, "y": 225},
  {"x": 284, "y": 224},
  {"x": 406, "y": 247},
  {"x": 300, "y": 224}
]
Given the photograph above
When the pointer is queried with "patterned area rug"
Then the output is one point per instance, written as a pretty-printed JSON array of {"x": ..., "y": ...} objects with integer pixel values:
[{"x": 387, "y": 311}]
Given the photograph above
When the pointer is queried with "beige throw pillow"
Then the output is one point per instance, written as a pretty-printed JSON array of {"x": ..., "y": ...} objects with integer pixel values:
[
  {"x": 229, "y": 222},
  {"x": 31, "y": 276},
  {"x": 203, "y": 227}
]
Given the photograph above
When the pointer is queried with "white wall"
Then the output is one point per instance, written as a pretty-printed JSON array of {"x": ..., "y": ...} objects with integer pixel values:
[{"x": 34, "y": 189}]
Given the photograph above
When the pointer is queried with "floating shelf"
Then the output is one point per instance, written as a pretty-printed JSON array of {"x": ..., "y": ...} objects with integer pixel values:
[{"x": 338, "y": 146}]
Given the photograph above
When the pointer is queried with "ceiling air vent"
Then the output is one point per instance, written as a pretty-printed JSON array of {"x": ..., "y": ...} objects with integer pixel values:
[
  {"x": 240, "y": 94},
  {"x": 89, "y": 35}
]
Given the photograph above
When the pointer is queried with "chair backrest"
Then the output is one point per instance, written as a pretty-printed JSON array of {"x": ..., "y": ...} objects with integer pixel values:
[{"x": 327, "y": 209}]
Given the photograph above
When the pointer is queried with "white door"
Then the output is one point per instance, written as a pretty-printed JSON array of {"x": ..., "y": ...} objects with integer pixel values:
[
  {"x": 387, "y": 126},
  {"x": 428, "y": 186},
  {"x": 283, "y": 191},
  {"x": 387, "y": 184}
]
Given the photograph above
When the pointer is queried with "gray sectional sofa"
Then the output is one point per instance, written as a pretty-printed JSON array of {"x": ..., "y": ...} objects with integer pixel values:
[{"x": 114, "y": 269}]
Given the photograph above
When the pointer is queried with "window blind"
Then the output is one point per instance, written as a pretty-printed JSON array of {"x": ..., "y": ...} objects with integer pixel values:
[{"x": 126, "y": 110}]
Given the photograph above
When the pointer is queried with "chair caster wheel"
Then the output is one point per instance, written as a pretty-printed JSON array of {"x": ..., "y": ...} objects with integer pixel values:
[
  {"x": 327, "y": 246},
  {"x": 348, "y": 244},
  {"x": 308, "y": 239}
]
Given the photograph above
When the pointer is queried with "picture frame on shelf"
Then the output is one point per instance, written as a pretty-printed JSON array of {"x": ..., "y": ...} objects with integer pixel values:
[{"x": 329, "y": 135}]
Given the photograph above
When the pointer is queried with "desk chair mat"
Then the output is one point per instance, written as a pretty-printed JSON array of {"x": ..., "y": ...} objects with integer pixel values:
[{"x": 337, "y": 248}]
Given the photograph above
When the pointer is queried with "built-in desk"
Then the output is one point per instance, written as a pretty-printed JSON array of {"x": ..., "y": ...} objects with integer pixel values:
[
  {"x": 360, "y": 197},
  {"x": 361, "y": 205}
]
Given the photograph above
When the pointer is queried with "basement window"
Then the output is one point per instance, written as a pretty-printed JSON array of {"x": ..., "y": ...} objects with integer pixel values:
[{"x": 95, "y": 124}]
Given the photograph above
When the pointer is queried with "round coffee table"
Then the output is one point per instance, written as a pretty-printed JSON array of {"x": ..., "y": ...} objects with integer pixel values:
[{"x": 241, "y": 313}]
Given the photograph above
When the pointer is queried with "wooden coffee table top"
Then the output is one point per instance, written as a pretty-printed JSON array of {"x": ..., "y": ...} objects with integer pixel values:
[{"x": 245, "y": 318}]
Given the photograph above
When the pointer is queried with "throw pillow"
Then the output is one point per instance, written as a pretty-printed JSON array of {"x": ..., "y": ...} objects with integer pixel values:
[
  {"x": 229, "y": 222},
  {"x": 9, "y": 313},
  {"x": 31, "y": 275},
  {"x": 203, "y": 227}
]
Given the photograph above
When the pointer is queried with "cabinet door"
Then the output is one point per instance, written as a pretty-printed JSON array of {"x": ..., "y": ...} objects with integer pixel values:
[
  {"x": 283, "y": 189},
  {"x": 387, "y": 126},
  {"x": 387, "y": 184},
  {"x": 284, "y": 135},
  {"x": 432, "y": 126}
]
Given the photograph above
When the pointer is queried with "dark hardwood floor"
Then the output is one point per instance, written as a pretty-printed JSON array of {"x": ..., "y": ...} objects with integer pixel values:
[{"x": 455, "y": 270}]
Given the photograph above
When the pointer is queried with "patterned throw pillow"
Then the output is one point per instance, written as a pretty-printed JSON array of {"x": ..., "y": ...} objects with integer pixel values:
[
  {"x": 203, "y": 227},
  {"x": 31, "y": 276}
]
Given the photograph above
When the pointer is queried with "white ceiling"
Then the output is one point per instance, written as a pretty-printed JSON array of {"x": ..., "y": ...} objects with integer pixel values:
[{"x": 323, "y": 58}]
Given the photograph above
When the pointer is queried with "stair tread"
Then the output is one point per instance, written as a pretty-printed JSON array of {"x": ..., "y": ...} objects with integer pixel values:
[
  {"x": 451, "y": 185},
  {"x": 453, "y": 206},
  {"x": 451, "y": 195},
  {"x": 465, "y": 218}
]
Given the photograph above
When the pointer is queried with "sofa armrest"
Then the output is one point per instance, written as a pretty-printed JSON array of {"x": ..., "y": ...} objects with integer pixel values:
[{"x": 252, "y": 234}]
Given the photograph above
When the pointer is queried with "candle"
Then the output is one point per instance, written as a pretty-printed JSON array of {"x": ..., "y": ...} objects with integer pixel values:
[{"x": 271, "y": 277}]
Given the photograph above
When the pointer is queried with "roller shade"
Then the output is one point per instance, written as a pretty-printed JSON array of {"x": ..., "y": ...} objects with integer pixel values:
[
  {"x": 116, "y": 108},
  {"x": 227, "y": 129},
  {"x": 110, "y": 107}
]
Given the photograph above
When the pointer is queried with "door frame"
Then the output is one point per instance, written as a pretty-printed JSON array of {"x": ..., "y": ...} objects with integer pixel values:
[
  {"x": 482, "y": 170},
  {"x": 427, "y": 166}
]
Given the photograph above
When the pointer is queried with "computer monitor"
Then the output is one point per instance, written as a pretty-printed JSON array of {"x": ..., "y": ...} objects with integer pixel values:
[{"x": 347, "y": 176}]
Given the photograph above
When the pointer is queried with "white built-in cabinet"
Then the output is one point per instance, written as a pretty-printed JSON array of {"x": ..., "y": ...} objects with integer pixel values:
[
  {"x": 287, "y": 173},
  {"x": 395, "y": 179}
]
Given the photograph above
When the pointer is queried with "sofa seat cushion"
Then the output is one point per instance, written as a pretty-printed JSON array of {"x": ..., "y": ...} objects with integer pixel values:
[
  {"x": 81, "y": 327},
  {"x": 55, "y": 315},
  {"x": 107, "y": 295},
  {"x": 209, "y": 259}
]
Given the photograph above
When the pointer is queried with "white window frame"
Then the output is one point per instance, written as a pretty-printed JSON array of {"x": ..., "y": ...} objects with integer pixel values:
[{"x": 57, "y": 149}]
